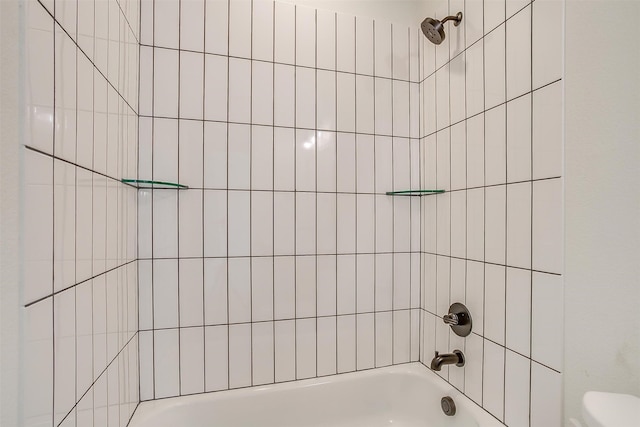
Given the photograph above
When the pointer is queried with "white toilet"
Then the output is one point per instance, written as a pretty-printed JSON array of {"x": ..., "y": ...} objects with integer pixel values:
[{"x": 601, "y": 409}]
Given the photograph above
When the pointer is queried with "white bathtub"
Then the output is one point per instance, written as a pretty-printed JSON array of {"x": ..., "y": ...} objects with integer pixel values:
[{"x": 404, "y": 396}]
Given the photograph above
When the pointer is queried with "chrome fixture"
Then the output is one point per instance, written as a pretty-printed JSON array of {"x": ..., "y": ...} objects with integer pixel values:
[
  {"x": 459, "y": 319},
  {"x": 448, "y": 406},
  {"x": 456, "y": 358},
  {"x": 433, "y": 29}
]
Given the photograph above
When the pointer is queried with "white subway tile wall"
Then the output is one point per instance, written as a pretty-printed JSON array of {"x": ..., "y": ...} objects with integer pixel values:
[
  {"x": 491, "y": 135},
  {"x": 80, "y": 249},
  {"x": 284, "y": 259}
]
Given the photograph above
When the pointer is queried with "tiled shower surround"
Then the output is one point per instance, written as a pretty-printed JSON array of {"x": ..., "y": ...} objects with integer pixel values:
[
  {"x": 492, "y": 137},
  {"x": 80, "y": 244},
  {"x": 284, "y": 259}
]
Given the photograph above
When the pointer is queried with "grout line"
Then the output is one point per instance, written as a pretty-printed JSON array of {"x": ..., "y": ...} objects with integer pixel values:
[{"x": 293, "y": 64}]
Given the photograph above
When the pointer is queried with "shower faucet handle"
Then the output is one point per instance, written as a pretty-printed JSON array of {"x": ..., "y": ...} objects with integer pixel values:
[
  {"x": 451, "y": 319},
  {"x": 459, "y": 318}
]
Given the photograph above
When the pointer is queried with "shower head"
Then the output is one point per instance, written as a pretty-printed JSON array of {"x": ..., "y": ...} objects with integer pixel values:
[{"x": 434, "y": 29}]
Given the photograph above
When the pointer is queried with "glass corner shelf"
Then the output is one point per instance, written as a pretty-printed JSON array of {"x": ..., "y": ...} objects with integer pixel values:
[
  {"x": 414, "y": 192},
  {"x": 143, "y": 184}
]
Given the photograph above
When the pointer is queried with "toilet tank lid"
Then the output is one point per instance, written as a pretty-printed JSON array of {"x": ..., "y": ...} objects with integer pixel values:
[{"x": 601, "y": 409}]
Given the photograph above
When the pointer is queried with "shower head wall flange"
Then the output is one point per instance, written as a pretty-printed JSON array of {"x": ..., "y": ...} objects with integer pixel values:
[{"x": 433, "y": 29}]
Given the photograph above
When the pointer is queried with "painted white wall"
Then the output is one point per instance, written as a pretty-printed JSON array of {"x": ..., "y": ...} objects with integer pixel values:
[
  {"x": 602, "y": 161},
  {"x": 10, "y": 405},
  {"x": 410, "y": 12}
]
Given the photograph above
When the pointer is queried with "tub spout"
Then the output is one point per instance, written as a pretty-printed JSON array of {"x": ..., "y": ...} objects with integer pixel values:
[{"x": 439, "y": 360}]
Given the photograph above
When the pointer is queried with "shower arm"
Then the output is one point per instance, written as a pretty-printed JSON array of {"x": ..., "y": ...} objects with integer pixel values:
[{"x": 457, "y": 18}]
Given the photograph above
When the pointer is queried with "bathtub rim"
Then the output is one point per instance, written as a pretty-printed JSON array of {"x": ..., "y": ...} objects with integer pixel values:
[{"x": 149, "y": 408}]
